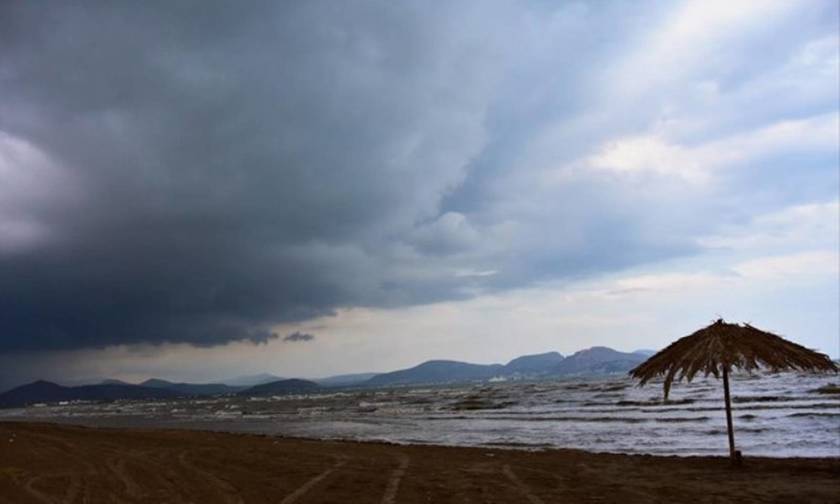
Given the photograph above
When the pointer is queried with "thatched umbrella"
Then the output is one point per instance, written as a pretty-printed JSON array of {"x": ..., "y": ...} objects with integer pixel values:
[{"x": 720, "y": 347}]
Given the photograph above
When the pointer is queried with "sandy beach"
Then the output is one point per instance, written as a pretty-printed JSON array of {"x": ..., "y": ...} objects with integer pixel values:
[{"x": 42, "y": 463}]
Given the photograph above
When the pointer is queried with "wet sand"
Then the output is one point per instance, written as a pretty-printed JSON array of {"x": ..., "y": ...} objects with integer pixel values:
[{"x": 45, "y": 463}]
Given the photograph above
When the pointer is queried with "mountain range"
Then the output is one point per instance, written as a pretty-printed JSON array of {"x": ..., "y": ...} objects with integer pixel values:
[
  {"x": 345, "y": 380},
  {"x": 279, "y": 387},
  {"x": 48, "y": 392},
  {"x": 592, "y": 361},
  {"x": 192, "y": 388}
]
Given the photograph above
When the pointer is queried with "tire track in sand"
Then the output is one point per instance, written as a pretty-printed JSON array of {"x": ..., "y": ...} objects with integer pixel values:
[
  {"x": 394, "y": 482},
  {"x": 297, "y": 494},
  {"x": 37, "y": 494},
  {"x": 118, "y": 467},
  {"x": 72, "y": 491},
  {"x": 523, "y": 488},
  {"x": 231, "y": 494},
  {"x": 76, "y": 485}
]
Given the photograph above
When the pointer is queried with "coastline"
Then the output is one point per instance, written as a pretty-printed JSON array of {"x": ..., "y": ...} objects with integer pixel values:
[{"x": 44, "y": 462}]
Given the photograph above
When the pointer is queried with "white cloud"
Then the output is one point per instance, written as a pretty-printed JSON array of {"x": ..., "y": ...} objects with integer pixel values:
[
  {"x": 695, "y": 37},
  {"x": 810, "y": 225},
  {"x": 648, "y": 154},
  {"x": 667, "y": 282},
  {"x": 653, "y": 153},
  {"x": 821, "y": 263}
]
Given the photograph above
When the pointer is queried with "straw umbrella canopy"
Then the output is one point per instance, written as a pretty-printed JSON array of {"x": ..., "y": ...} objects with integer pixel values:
[{"x": 721, "y": 347}]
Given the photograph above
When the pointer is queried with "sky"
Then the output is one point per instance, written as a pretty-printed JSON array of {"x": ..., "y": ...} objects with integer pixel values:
[{"x": 199, "y": 190}]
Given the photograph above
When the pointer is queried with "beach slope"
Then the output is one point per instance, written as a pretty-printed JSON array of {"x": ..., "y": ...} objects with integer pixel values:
[{"x": 51, "y": 463}]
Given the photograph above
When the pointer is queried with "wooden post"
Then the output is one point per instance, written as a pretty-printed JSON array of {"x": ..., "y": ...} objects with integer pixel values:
[{"x": 735, "y": 455}]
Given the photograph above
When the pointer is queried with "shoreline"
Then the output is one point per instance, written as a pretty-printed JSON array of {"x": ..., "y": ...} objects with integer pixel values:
[
  {"x": 128, "y": 426},
  {"x": 46, "y": 462},
  {"x": 494, "y": 446}
]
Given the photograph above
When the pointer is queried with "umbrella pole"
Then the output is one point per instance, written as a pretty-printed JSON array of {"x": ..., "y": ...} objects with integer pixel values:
[{"x": 733, "y": 454}]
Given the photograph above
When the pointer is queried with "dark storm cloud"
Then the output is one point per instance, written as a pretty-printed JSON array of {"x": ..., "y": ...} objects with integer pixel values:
[
  {"x": 297, "y": 337},
  {"x": 227, "y": 166},
  {"x": 198, "y": 172}
]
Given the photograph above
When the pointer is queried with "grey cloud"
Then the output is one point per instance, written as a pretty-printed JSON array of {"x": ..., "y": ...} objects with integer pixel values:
[
  {"x": 232, "y": 167},
  {"x": 207, "y": 170},
  {"x": 448, "y": 234},
  {"x": 296, "y": 337}
]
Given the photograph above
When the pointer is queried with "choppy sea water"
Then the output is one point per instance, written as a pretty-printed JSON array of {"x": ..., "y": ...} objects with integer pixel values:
[{"x": 775, "y": 415}]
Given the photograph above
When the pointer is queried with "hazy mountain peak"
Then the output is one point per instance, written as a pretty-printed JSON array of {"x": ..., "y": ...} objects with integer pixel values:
[
  {"x": 594, "y": 360},
  {"x": 534, "y": 363}
]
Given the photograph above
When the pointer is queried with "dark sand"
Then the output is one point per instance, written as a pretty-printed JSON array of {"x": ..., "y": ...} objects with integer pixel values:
[{"x": 52, "y": 463}]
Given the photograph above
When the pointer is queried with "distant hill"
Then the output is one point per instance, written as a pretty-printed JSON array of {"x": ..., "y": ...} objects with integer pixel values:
[
  {"x": 199, "y": 389},
  {"x": 534, "y": 364},
  {"x": 251, "y": 380},
  {"x": 345, "y": 380},
  {"x": 438, "y": 371},
  {"x": 279, "y": 387},
  {"x": 598, "y": 360},
  {"x": 48, "y": 392},
  {"x": 592, "y": 361}
]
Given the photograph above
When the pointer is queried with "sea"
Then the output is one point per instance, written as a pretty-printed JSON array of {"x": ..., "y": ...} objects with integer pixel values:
[{"x": 777, "y": 415}]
